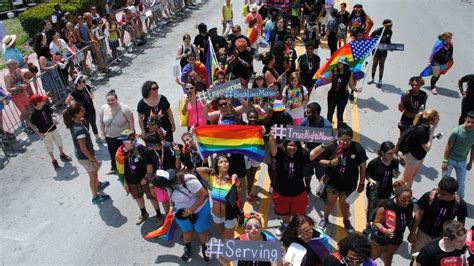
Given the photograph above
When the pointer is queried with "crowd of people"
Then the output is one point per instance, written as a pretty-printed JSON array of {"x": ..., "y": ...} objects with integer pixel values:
[{"x": 206, "y": 193}]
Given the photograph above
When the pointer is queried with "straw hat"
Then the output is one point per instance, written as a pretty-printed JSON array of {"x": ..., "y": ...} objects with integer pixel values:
[{"x": 8, "y": 40}]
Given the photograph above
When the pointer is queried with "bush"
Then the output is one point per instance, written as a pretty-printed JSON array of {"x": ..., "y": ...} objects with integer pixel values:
[{"x": 32, "y": 19}]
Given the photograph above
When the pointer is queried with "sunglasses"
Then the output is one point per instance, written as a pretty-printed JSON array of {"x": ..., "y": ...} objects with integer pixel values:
[
  {"x": 415, "y": 85},
  {"x": 190, "y": 88},
  {"x": 305, "y": 233},
  {"x": 249, "y": 227},
  {"x": 351, "y": 260},
  {"x": 154, "y": 88}
]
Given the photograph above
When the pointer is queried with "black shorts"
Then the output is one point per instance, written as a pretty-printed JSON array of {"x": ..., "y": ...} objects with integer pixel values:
[{"x": 380, "y": 239}]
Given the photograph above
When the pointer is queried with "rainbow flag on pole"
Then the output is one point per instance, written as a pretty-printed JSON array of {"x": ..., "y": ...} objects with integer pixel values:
[
  {"x": 246, "y": 140},
  {"x": 211, "y": 62},
  {"x": 356, "y": 53}
]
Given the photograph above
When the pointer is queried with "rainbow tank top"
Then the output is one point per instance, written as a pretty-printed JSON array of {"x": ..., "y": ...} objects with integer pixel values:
[{"x": 219, "y": 192}]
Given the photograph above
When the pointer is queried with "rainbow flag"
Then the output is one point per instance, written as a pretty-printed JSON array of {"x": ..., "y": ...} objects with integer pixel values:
[
  {"x": 356, "y": 53},
  {"x": 428, "y": 71},
  {"x": 211, "y": 62},
  {"x": 246, "y": 140}
]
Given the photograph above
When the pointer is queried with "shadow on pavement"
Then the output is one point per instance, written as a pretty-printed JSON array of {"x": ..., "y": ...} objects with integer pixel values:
[
  {"x": 444, "y": 92},
  {"x": 66, "y": 173},
  {"x": 404, "y": 251},
  {"x": 391, "y": 89},
  {"x": 111, "y": 215},
  {"x": 428, "y": 172},
  {"x": 372, "y": 104}
]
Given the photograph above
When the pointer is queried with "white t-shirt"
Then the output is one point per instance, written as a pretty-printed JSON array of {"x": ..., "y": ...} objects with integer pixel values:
[
  {"x": 296, "y": 113},
  {"x": 185, "y": 198},
  {"x": 115, "y": 125}
]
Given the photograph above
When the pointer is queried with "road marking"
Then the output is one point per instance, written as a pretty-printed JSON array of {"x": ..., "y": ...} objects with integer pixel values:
[
  {"x": 265, "y": 197},
  {"x": 359, "y": 218}
]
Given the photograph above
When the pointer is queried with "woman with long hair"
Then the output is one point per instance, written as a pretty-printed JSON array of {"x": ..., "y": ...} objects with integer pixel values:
[
  {"x": 272, "y": 78},
  {"x": 114, "y": 118},
  {"x": 225, "y": 209},
  {"x": 185, "y": 49},
  {"x": 359, "y": 20},
  {"x": 83, "y": 94},
  {"x": 380, "y": 173},
  {"x": 391, "y": 220},
  {"x": 341, "y": 77},
  {"x": 295, "y": 98},
  {"x": 263, "y": 106},
  {"x": 419, "y": 143},
  {"x": 442, "y": 54},
  {"x": 192, "y": 106},
  {"x": 84, "y": 150},
  {"x": 52, "y": 82},
  {"x": 155, "y": 104}
]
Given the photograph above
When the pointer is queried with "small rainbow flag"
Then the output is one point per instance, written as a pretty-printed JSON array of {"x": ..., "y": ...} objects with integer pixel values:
[
  {"x": 246, "y": 140},
  {"x": 211, "y": 62}
]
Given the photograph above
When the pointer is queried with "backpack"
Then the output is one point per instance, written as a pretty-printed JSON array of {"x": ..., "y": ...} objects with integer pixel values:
[
  {"x": 457, "y": 200},
  {"x": 403, "y": 142}
]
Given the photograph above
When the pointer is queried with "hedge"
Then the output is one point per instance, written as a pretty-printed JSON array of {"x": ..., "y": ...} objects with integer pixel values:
[{"x": 32, "y": 19}]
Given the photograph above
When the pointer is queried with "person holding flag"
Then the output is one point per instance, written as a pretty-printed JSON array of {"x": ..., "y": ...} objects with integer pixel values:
[
  {"x": 441, "y": 59},
  {"x": 385, "y": 35}
]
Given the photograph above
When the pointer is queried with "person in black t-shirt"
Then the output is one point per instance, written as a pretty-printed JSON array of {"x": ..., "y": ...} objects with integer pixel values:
[
  {"x": 344, "y": 161},
  {"x": 343, "y": 17},
  {"x": 448, "y": 250},
  {"x": 287, "y": 178},
  {"x": 419, "y": 143},
  {"x": 352, "y": 250},
  {"x": 380, "y": 56},
  {"x": 392, "y": 217},
  {"x": 380, "y": 172},
  {"x": 467, "y": 104},
  {"x": 434, "y": 209},
  {"x": 83, "y": 94},
  {"x": 137, "y": 172},
  {"x": 441, "y": 57},
  {"x": 43, "y": 123},
  {"x": 411, "y": 102},
  {"x": 279, "y": 33},
  {"x": 201, "y": 40},
  {"x": 308, "y": 64}
]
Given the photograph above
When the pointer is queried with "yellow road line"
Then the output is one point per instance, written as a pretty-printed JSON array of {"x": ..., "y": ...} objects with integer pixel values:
[
  {"x": 359, "y": 210},
  {"x": 265, "y": 199}
]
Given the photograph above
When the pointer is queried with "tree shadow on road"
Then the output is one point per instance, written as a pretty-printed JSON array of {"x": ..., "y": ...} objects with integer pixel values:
[{"x": 111, "y": 215}]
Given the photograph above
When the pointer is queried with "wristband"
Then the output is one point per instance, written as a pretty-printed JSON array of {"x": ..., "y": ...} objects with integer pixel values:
[{"x": 445, "y": 161}]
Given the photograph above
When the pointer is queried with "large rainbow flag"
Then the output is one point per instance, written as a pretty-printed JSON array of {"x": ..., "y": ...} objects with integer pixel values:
[
  {"x": 246, "y": 140},
  {"x": 428, "y": 71},
  {"x": 355, "y": 52},
  {"x": 211, "y": 62}
]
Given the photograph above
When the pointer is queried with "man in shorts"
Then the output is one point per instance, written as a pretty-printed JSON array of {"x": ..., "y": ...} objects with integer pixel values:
[{"x": 135, "y": 170}]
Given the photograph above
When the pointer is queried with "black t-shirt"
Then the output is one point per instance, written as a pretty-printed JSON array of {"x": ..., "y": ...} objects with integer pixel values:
[
  {"x": 383, "y": 174},
  {"x": 344, "y": 178},
  {"x": 135, "y": 166},
  {"x": 308, "y": 67},
  {"x": 403, "y": 214},
  {"x": 344, "y": 17},
  {"x": 201, "y": 41},
  {"x": 43, "y": 119},
  {"x": 387, "y": 35},
  {"x": 443, "y": 55},
  {"x": 237, "y": 165},
  {"x": 432, "y": 255},
  {"x": 164, "y": 159},
  {"x": 312, "y": 257},
  {"x": 339, "y": 83},
  {"x": 163, "y": 106},
  {"x": 79, "y": 131},
  {"x": 332, "y": 261},
  {"x": 412, "y": 104},
  {"x": 470, "y": 86},
  {"x": 84, "y": 97},
  {"x": 310, "y": 3},
  {"x": 241, "y": 71},
  {"x": 288, "y": 180},
  {"x": 232, "y": 38},
  {"x": 419, "y": 137},
  {"x": 278, "y": 36},
  {"x": 438, "y": 212}
]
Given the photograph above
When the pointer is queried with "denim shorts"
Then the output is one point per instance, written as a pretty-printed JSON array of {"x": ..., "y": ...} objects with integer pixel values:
[{"x": 203, "y": 222}]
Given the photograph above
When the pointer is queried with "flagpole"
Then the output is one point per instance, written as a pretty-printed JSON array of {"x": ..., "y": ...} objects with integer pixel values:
[{"x": 370, "y": 64}]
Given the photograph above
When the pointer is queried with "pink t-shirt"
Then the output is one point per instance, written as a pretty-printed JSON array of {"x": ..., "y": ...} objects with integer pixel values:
[{"x": 195, "y": 116}]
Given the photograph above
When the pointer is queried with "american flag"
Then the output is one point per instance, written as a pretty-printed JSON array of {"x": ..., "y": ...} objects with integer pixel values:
[{"x": 361, "y": 49}]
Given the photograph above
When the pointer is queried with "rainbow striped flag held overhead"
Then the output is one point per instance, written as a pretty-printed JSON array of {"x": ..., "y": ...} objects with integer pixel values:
[
  {"x": 246, "y": 140},
  {"x": 428, "y": 71},
  {"x": 211, "y": 62},
  {"x": 356, "y": 53}
]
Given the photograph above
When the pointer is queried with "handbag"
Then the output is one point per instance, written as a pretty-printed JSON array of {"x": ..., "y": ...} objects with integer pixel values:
[{"x": 183, "y": 119}]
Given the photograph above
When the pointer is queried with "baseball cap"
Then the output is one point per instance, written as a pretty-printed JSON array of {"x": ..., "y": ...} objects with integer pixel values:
[
  {"x": 36, "y": 98},
  {"x": 387, "y": 22},
  {"x": 127, "y": 134},
  {"x": 343, "y": 60},
  {"x": 163, "y": 178}
]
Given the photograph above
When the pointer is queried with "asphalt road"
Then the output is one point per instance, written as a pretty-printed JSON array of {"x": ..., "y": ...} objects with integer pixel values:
[{"x": 47, "y": 217}]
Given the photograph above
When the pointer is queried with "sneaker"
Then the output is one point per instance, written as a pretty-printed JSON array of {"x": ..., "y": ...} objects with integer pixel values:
[
  {"x": 186, "y": 257},
  {"x": 56, "y": 165},
  {"x": 99, "y": 141},
  {"x": 349, "y": 228},
  {"x": 379, "y": 84},
  {"x": 65, "y": 158},
  {"x": 100, "y": 198},
  {"x": 323, "y": 223},
  {"x": 102, "y": 186},
  {"x": 434, "y": 91},
  {"x": 111, "y": 172},
  {"x": 280, "y": 230},
  {"x": 142, "y": 219},
  {"x": 371, "y": 82},
  {"x": 204, "y": 255}
]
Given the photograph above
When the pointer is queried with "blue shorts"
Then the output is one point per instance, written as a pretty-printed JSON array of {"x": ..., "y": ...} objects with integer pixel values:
[{"x": 203, "y": 223}]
